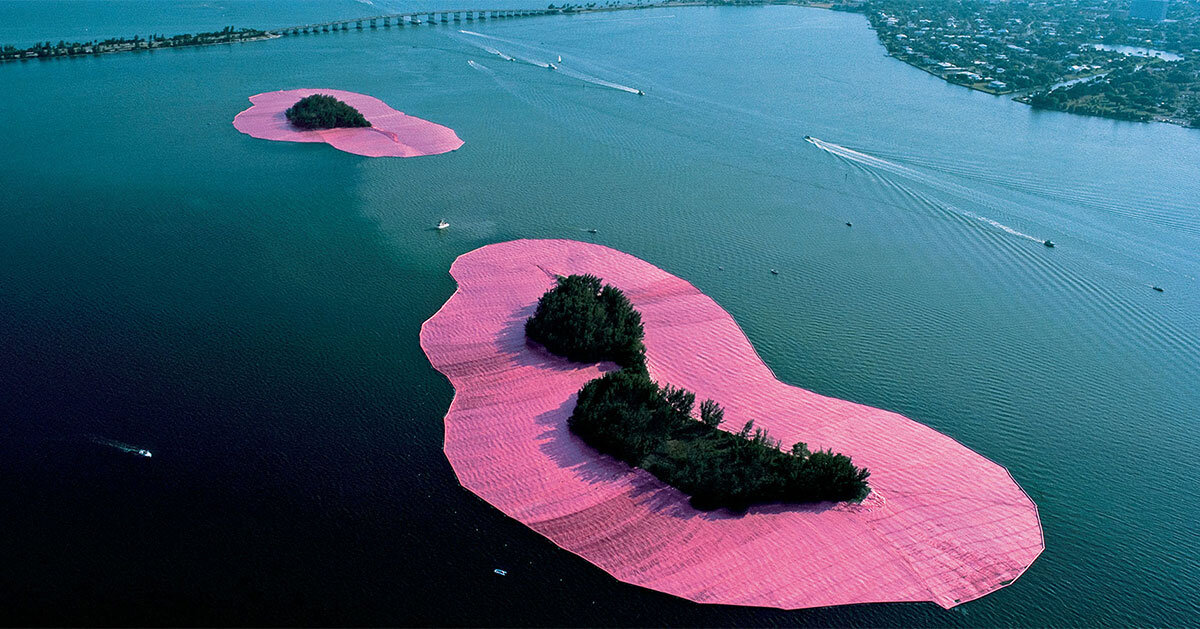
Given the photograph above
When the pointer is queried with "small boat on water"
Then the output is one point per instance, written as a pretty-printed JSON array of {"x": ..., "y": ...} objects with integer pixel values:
[
  {"x": 774, "y": 272},
  {"x": 551, "y": 66},
  {"x": 1048, "y": 243},
  {"x": 500, "y": 572},
  {"x": 1157, "y": 288},
  {"x": 849, "y": 224},
  {"x": 641, "y": 93},
  {"x": 145, "y": 453},
  {"x": 442, "y": 224},
  {"x": 593, "y": 231},
  {"x": 560, "y": 58}
]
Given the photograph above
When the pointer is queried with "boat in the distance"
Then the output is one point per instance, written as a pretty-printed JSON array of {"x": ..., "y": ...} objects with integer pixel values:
[
  {"x": 442, "y": 224},
  {"x": 551, "y": 66},
  {"x": 1048, "y": 243},
  {"x": 500, "y": 572},
  {"x": 145, "y": 453},
  {"x": 1157, "y": 288}
]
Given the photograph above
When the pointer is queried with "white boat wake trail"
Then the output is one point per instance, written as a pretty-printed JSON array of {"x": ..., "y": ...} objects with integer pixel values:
[
  {"x": 587, "y": 78},
  {"x": 878, "y": 164},
  {"x": 497, "y": 53},
  {"x": 123, "y": 447},
  {"x": 575, "y": 74}
]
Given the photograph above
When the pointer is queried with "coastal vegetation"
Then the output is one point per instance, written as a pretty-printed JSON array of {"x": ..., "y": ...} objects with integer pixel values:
[
  {"x": 321, "y": 111},
  {"x": 64, "y": 48},
  {"x": 1145, "y": 92},
  {"x": 1091, "y": 58},
  {"x": 627, "y": 415}
]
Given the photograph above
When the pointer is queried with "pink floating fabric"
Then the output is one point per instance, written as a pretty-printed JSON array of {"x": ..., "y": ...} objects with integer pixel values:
[
  {"x": 391, "y": 134},
  {"x": 942, "y": 523}
]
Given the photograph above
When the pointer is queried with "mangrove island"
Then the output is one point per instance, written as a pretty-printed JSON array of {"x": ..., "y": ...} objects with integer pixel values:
[
  {"x": 321, "y": 111},
  {"x": 627, "y": 415},
  {"x": 941, "y": 523}
]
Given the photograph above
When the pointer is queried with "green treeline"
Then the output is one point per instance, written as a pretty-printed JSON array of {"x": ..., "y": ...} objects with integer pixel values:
[
  {"x": 627, "y": 415},
  {"x": 1140, "y": 92},
  {"x": 320, "y": 111},
  {"x": 585, "y": 322},
  {"x": 64, "y": 48}
]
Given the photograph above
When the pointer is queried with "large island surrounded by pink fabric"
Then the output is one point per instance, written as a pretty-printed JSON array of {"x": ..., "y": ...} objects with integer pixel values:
[
  {"x": 942, "y": 523},
  {"x": 391, "y": 134}
]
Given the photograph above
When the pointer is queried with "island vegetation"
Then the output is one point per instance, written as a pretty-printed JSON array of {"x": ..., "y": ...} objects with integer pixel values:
[
  {"x": 587, "y": 322},
  {"x": 627, "y": 415},
  {"x": 321, "y": 111}
]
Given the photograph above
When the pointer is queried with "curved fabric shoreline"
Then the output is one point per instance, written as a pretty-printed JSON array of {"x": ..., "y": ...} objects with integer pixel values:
[
  {"x": 942, "y": 524},
  {"x": 391, "y": 134}
]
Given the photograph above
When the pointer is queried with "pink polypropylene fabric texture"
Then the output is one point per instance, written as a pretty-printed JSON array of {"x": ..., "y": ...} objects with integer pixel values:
[
  {"x": 941, "y": 524},
  {"x": 391, "y": 134}
]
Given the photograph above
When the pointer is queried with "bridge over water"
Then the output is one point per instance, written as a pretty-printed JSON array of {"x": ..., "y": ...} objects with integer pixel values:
[{"x": 445, "y": 16}]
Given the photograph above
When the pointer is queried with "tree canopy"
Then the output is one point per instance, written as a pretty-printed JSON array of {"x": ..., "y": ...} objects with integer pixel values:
[
  {"x": 627, "y": 415},
  {"x": 585, "y": 322},
  {"x": 321, "y": 111}
]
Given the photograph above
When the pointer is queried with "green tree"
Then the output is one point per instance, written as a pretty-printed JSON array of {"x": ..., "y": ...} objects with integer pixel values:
[{"x": 321, "y": 111}]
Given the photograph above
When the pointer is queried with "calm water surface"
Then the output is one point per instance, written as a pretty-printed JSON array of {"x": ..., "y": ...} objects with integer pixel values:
[{"x": 249, "y": 310}]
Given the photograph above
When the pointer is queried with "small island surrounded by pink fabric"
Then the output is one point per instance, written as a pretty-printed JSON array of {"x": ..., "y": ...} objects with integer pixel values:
[
  {"x": 391, "y": 134},
  {"x": 942, "y": 523}
]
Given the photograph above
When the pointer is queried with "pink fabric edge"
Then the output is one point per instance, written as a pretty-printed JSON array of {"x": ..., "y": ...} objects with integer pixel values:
[
  {"x": 949, "y": 529},
  {"x": 392, "y": 133}
]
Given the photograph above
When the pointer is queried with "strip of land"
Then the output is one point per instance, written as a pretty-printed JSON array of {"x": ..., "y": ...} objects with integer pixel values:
[{"x": 1105, "y": 58}]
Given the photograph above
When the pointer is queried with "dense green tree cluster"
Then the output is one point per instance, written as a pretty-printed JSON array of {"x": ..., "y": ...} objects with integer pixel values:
[
  {"x": 1139, "y": 91},
  {"x": 586, "y": 322},
  {"x": 627, "y": 415},
  {"x": 321, "y": 111}
]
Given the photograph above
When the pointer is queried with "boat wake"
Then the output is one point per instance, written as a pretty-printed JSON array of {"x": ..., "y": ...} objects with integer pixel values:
[
  {"x": 498, "y": 53},
  {"x": 123, "y": 447},
  {"x": 575, "y": 74},
  {"x": 879, "y": 164},
  {"x": 595, "y": 80}
]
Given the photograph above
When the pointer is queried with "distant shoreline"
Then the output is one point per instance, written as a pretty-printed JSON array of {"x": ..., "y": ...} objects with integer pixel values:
[
  {"x": 138, "y": 44},
  {"x": 231, "y": 36}
]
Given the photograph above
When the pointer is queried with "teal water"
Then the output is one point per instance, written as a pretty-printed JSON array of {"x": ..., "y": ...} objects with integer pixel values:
[{"x": 249, "y": 310}]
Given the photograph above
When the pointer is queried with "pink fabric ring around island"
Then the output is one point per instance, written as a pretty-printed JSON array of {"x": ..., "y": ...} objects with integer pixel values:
[
  {"x": 391, "y": 134},
  {"x": 942, "y": 523}
]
